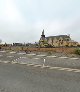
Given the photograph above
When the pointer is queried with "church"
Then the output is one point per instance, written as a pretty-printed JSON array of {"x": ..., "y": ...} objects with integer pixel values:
[{"x": 56, "y": 41}]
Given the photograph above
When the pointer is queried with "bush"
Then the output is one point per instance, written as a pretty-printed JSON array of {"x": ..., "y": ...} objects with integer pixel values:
[{"x": 77, "y": 51}]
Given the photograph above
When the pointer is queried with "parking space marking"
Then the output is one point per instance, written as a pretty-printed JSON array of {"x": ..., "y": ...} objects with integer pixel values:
[
  {"x": 63, "y": 57},
  {"x": 12, "y": 52},
  {"x": 74, "y": 58},
  {"x": 6, "y": 61},
  {"x": 31, "y": 54},
  {"x": 10, "y": 56},
  {"x": 52, "y": 56},
  {"x": 77, "y": 71},
  {"x": 41, "y": 55},
  {"x": 36, "y": 58},
  {"x": 37, "y": 65},
  {"x": 23, "y": 63},
  {"x": 2, "y": 51},
  {"x": 30, "y": 64},
  {"x": 71, "y": 69},
  {"x": 1, "y": 55},
  {"x": 55, "y": 68},
  {"x": 43, "y": 67}
]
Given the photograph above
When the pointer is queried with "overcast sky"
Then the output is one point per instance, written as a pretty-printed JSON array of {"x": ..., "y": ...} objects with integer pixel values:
[{"x": 24, "y": 20}]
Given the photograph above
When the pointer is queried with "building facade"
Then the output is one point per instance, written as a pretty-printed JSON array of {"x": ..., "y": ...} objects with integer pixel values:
[{"x": 56, "y": 41}]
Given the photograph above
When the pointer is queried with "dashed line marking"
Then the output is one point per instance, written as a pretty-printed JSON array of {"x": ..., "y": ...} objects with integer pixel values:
[
  {"x": 63, "y": 57},
  {"x": 37, "y": 65},
  {"x": 14, "y": 62},
  {"x": 30, "y": 64},
  {"x": 41, "y": 55},
  {"x": 22, "y": 63},
  {"x": 43, "y": 66},
  {"x": 36, "y": 58},
  {"x": 12, "y": 52},
  {"x": 77, "y": 71},
  {"x": 31, "y": 54},
  {"x": 54, "y": 67},
  {"x": 72, "y": 70},
  {"x": 10, "y": 56},
  {"x": 74, "y": 58},
  {"x": 23, "y": 57},
  {"x": 2, "y": 51},
  {"x": 1, "y": 55},
  {"x": 52, "y": 56}
]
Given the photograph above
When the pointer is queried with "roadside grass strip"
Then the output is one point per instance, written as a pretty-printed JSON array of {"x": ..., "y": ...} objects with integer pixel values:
[
  {"x": 63, "y": 57},
  {"x": 52, "y": 56}
]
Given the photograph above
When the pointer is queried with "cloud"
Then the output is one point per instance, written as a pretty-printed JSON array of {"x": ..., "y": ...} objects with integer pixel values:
[{"x": 23, "y": 21}]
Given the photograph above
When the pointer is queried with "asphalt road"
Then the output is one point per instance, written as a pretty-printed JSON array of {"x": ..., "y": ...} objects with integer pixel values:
[
  {"x": 57, "y": 61},
  {"x": 62, "y": 75},
  {"x": 22, "y": 78}
]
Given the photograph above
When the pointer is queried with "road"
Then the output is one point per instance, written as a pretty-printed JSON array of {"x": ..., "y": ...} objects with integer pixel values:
[
  {"x": 22, "y": 78},
  {"x": 21, "y": 72}
]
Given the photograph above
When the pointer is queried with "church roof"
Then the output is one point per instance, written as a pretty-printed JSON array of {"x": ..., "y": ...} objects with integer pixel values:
[{"x": 57, "y": 37}]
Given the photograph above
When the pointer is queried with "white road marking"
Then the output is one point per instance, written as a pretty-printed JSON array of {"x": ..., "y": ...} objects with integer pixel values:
[
  {"x": 12, "y": 52},
  {"x": 1, "y": 55},
  {"x": 14, "y": 62},
  {"x": 23, "y": 57},
  {"x": 52, "y": 56},
  {"x": 23, "y": 63},
  {"x": 21, "y": 53},
  {"x": 31, "y": 54},
  {"x": 54, "y": 67},
  {"x": 30, "y": 64},
  {"x": 36, "y": 58},
  {"x": 10, "y": 56},
  {"x": 64, "y": 68},
  {"x": 63, "y": 57},
  {"x": 72, "y": 70},
  {"x": 41, "y": 55},
  {"x": 74, "y": 58},
  {"x": 77, "y": 71},
  {"x": 2, "y": 51},
  {"x": 37, "y": 65},
  {"x": 6, "y": 61}
]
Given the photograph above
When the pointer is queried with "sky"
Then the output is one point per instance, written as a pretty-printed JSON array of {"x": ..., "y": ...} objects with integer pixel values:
[{"x": 23, "y": 20}]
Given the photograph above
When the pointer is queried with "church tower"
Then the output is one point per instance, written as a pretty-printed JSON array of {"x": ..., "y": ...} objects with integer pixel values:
[{"x": 43, "y": 34}]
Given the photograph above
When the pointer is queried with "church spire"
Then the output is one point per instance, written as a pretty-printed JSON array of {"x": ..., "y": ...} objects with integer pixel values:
[{"x": 43, "y": 32}]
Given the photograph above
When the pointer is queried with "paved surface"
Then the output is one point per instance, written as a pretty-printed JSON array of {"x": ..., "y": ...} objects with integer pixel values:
[
  {"x": 22, "y": 78},
  {"x": 21, "y": 72},
  {"x": 53, "y": 61}
]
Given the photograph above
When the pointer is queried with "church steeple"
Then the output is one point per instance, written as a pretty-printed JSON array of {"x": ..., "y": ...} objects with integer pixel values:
[{"x": 43, "y": 34}]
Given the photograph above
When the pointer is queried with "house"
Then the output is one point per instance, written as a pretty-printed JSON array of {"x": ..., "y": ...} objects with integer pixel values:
[{"x": 56, "y": 41}]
